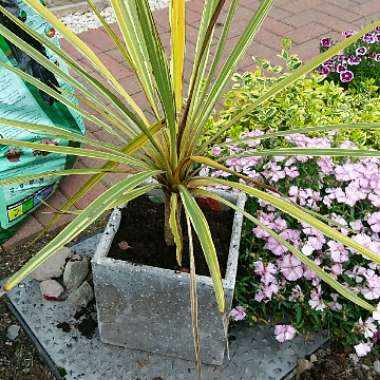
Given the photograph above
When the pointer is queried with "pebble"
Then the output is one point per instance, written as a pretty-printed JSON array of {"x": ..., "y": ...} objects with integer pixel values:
[
  {"x": 313, "y": 358},
  {"x": 75, "y": 273},
  {"x": 376, "y": 366},
  {"x": 81, "y": 296},
  {"x": 51, "y": 290},
  {"x": 354, "y": 358},
  {"x": 53, "y": 267},
  {"x": 13, "y": 332},
  {"x": 80, "y": 22}
]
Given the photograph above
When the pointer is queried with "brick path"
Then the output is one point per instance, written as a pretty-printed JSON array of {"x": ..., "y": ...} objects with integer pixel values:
[{"x": 305, "y": 21}]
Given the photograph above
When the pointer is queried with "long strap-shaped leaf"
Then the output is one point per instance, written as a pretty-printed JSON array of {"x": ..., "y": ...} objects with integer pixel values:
[
  {"x": 324, "y": 276},
  {"x": 201, "y": 228},
  {"x": 314, "y": 152},
  {"x": 132, "y": 32},
  {"x": 175, "y": 226},
  {"x": 56, "y": 173},
  {"x": 202, "y": 112},
  {"x": 294, "y": 76},
  {"x": 323, "y": 128},
  {"x": 111, "y": 33},
  {"x": 120, "y": 158},
  {"x": 178, "y": 38},
  {"x": 197, "y": 75},
  {"x": 60, "y": 133},
  {"x": 161, "y": 71},
  {"x": 113, "y": 100},
  {"x": 221, "y": 44},
  {"x": 87, "y": 52},
  {"x": 291, "y": 210},
  {"x": 233, "y": 60},
  {"x": 56, "y": 70},
  {"x": 87, "y": 217},
  {"x": 60, "y": 98},
  {"x": 130, "y": 149}
]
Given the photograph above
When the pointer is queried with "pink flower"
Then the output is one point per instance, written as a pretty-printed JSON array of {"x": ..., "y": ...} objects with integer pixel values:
[
  {"x": 374, "y": 221},
  {"x": 292, "y": 172},
  {"x": 367, "y": 328},
  {"x": 335, "y": 305},
  {"x": 216, "y": 150},
  {"x": 337, "y": 252},
  {"x": 363, "y": 349},
  {"x": 291, "y": 268},
  {"x": 266, "y": 272},
  {"x": 376, "y": 313},
  {"x": 275, "y": 247},
  {"x": 284, "y": 332},
  {"x": 238, "y": 313},
  {"x": 326, "y": 164},
  {"x": 315, "y": 301}
]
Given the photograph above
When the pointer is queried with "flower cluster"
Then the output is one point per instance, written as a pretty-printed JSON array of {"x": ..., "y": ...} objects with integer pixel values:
[
  {"x": 347, "y": 192},
  {"x": 361, "y": 60}
]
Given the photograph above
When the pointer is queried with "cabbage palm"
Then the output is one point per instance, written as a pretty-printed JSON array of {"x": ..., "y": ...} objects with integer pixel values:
[{"x": 166, "y": 153}]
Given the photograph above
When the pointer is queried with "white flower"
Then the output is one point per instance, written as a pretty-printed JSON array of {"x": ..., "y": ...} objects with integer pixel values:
[{"x": 363, "y": 349}]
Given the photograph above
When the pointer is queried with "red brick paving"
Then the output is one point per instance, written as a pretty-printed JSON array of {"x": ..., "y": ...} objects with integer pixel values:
[{"x": 305, "y": 21}]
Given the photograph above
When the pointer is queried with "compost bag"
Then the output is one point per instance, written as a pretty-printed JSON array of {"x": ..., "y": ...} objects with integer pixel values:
[{"x": 22, "y": 102}]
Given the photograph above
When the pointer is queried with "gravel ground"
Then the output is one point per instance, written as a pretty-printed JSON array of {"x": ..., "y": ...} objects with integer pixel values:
[
  {"x": 19, "y": 360},
  {"x": 81, "y": 22}
]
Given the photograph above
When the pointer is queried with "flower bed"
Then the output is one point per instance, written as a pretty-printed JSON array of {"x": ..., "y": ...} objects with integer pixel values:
[{"x": 274, "y": 286}]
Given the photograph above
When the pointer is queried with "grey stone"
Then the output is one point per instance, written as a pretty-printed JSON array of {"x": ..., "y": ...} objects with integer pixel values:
[
  {"x": 81, "y": 296},
  {"x": 252, "y": 351},
  {"x": 13, "y": 332},
  {"x": 53, "y": 267},
  {"x": 51, "y": 290},
  {"x": 376, "y": 366},
  {"x": 147, "y": 308},
  {"x": 75, "y": 272}
]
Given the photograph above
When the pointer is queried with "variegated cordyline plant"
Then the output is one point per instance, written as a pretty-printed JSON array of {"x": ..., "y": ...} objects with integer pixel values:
[{"x": 166, "y": 153}]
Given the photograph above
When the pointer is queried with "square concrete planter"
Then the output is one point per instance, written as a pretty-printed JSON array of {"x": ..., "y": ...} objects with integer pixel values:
[{"x": 147, "y": 308}]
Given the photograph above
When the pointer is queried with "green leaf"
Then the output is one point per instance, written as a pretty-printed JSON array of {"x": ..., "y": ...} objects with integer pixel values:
[
  {"x": 80, "y": 223},
  {"x": 201, "y": 228}
]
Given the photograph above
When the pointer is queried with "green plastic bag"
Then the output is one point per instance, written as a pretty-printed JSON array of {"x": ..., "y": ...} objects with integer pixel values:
[{"x": 23, "y": 102}]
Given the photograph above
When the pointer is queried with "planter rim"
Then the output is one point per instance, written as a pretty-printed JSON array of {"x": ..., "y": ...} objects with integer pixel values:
[{"x": 101, "y": 254}]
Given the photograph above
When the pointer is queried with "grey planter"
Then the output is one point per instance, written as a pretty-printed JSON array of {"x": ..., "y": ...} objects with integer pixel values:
[{"x": 147, "y": 308}]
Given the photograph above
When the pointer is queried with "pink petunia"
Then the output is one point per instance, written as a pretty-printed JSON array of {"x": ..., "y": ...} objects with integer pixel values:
[{"x": 284, "y": 332}]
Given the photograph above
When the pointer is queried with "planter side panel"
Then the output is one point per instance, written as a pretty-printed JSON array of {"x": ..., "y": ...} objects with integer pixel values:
[{"x": 149, "y": 309}]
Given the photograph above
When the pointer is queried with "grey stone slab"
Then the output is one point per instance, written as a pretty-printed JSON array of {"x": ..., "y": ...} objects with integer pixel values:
[{"x": 254, "y": 354}]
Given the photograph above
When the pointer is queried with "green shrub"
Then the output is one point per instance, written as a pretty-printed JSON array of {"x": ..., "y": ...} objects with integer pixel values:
[{"x": 311, "y": 101}]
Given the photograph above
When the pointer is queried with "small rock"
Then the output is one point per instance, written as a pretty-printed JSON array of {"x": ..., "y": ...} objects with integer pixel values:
[
  {"x": 376, "y": 366},
  {"x": 51, "y": 290},
  {"x": 81, "y": 296},
  {"x": 54, "y": 266},
  {"x": 313, "y": 358},
  {"x": 12, "y": 332},
  {"x": 75, "y": 272},
  {"x": 303, "y": 365},
  {"x": 354, "y": 358}
]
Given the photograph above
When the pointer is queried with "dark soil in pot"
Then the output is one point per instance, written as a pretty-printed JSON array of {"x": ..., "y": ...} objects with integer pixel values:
[{"x": 140, "y": 238}]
